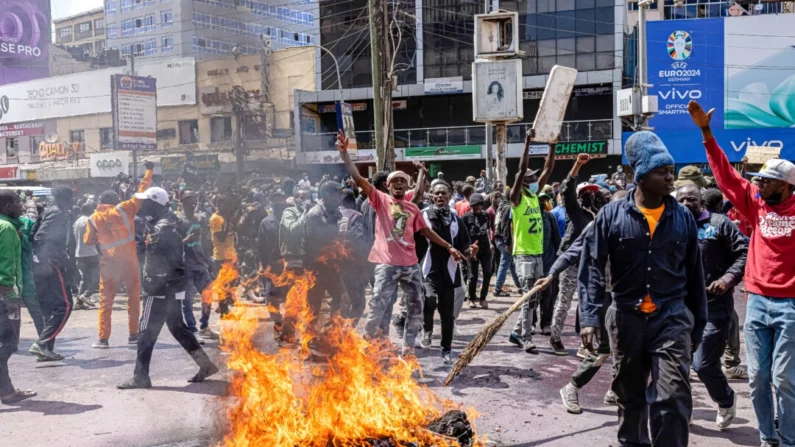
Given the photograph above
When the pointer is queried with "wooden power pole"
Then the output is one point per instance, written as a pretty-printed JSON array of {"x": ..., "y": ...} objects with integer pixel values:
[{"x": 380, "y": 57}]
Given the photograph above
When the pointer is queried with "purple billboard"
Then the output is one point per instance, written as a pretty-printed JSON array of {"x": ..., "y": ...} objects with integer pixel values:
[{"x": 24, "y": 40}]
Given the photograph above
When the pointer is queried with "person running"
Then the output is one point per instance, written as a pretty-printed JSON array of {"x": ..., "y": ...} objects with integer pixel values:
[
  {"x": 51, "y": 236},
  {"x": 11, "y": 284},
  {"x": 112, "y": 227},
  {"x": 197, "y": 263},
  {"x": 528, "y": 239},
  {"x": 659, "y": 306},
  {"x": 769, "y": 281},
  {"x": 724, "y": 252},
  {"x": 477, "y": 225},
  {"x": 393, "y": 251},
  {"x": 165, "y": 280},
  {"x": 87, "y": 257},
  {"x": 580, "y": 203}
]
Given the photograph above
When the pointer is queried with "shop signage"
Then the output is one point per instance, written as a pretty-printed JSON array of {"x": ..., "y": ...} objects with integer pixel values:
[
  {"x": 172, "y": 164},
  {"x": 198, "y": 168},
  {"x": 58, "y": 151},
  {"x": 571, "y": 149},
  {"x": 332, "y": 108},
  {"x": 22, "y": 129},
  {"x": 333, "y": 157},
  {"x": 134, "y": 106},
  {"x": 89, "y": 93},
  {"x": 440, "y": 86},
  {"x": 444, "y": 153},
  {"x": 9, "y": 173},
  {"x": 109, "y": 164},
  {"x": 399, "y": 104}
]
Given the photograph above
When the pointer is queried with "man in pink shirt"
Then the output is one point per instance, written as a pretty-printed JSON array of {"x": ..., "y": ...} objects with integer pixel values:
[
  {"x": 769, "y": 281},
  {"x": 397, "y": 219}
]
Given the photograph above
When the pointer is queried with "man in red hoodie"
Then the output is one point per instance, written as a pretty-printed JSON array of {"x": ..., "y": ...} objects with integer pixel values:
[{"x": 769, "y": 280}]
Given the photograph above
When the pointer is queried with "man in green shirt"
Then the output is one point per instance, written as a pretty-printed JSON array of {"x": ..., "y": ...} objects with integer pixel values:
[
  {"x": 528, "y": 237},
  {"x": 10, "y": 288}
]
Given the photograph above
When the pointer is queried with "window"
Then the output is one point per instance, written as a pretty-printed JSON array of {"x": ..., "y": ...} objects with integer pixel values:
[
  {"x": 167, "y": 44},
  {"x": 111, "y": 31},
  {"x": 188, "y": 132},
  {"x": 166, "y": 18},
  {"x": 12, "y": 147},
  {"x": 99, "y": 24},
  {"x": 77, "y": 136},
  {"x": 255, "y": 128},
  {"x": 34, "y": 143},
  {"x": 110, "y": 8},
  {"x": 151, "y": 47},
  {"x": 99, "y": 46},
  {"x": 139, "y": 50},
  {"x": 145, "y": 24},
  {"x": 84, "y": 27},
  {"x": 106, "y": 138},
  {"x": 127, "y": 27},
  {"x": 65, "y": 33},
  {"x": 125, "y": 51},
  {"x": 126, "y": 5},
  {"x": 220, "y": 129}
]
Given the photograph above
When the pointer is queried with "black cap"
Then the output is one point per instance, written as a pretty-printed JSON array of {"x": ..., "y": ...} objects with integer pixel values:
[{"x": 476, "y": 199}]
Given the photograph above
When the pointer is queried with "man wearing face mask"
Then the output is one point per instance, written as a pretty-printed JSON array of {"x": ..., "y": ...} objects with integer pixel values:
[
  {"x": 477, "y": 225},
  {"x": 164, "y": 286},
  {"x": 580, "y": 203},
  {"x": 197, "y": 263},
  {"x": 619, "y": 177},
  {"x": 769, "y": 280},
  {"x": 270, "y": 255},
  {"x": 528, "y": 238},
  {"x": 304, "y": 182}
]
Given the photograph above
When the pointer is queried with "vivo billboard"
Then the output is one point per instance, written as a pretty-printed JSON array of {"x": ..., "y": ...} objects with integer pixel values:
[
  {"x": 743, "y": 67},
  {"x": 24, "y": 40}
]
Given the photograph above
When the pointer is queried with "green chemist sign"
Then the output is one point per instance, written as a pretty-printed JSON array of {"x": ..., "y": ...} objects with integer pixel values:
[{"x": 571, "y": 149}]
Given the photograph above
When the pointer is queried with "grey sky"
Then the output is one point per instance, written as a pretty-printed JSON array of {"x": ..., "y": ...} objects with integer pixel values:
[{"x": 64, "y": 8}]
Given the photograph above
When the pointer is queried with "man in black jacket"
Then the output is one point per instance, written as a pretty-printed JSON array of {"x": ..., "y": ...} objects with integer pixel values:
[
  {"x": 164, "y": 284},
  {"x": 724, "y": 252},
  {"x": 50, "y": 238},
  {"x": 477, "y": 225},
  {"x": 270, "y": 255}
]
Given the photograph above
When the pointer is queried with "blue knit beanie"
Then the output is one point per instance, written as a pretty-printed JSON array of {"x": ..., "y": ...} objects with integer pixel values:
[{"x": 646, "y": 152}]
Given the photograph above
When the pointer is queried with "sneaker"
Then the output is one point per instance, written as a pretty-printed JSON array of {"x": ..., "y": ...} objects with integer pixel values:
[
  {"x": 447, "y": 357},
  {"x": 768, "y": 444},
  {"x": 529, "y": 347},
  {"x": 726, "y": 415},
  {"x": 208, "y": 334},
  {"x": 513, "y": 338},
  {"x": 735, "y": 372},
  {"x": 473, "y": 304},
  {"x": 501, "y": 293},
  {"x": 484, "y": 304},
  {"x": 199, "y": 340},
  {"x": 80, "y": 305},
  {"x": 135, "y": 384},
  {"x": 101, "y": 344},
  {"x": 583, "y": 353},
  {"x": 456, "y": 332},
  {"x": 546, "y": 331},
  {"x": 426, "y": 340},
  {"x": 571, "y": 398},
  {"x": 558, "y": 348},
  {"x": 17, "y": 396},
  {"x": 611, "y": 398},
  {"x": 132, "y": 339},
  {"x": 44, "y": 352}
]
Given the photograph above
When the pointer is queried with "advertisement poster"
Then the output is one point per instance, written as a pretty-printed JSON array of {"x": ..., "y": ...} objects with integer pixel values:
[
  {"x": 172, "y": 164},
  {"x": 444, "y": 153},
  {"x": 109, "y": 164},
  {"x": 134, "y": 106},
  {"x": 743, "y": 67},
  {"x": 24, "y": 40},
  {"x": 497, "y": 91}
]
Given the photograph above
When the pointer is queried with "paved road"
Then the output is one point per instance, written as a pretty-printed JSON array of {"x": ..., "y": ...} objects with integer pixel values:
[{"x": 516, "y": 393}]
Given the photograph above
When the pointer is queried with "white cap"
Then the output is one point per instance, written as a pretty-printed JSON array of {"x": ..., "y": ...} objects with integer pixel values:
[
  {"x": 587, "y": 186},
  {"x": 396, "y": 174},
  {"x": 777, "y": 169},
  {"x": 159, "y": 195}
]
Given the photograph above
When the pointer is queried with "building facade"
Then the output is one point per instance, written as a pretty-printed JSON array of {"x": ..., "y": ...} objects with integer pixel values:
[
  {"x": 85, "y": 30},
  {"x": 207, "y": 29}
]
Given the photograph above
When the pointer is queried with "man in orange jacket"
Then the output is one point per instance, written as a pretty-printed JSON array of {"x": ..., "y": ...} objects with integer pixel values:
[{"x": 112, "y": 226}]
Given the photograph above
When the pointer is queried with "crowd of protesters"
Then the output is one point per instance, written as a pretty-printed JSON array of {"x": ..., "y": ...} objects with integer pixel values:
[{"x": 651, "y": 260}]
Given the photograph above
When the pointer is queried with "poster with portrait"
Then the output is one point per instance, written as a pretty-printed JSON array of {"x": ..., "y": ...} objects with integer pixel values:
[
  {"x": 497, "y": 91},
  {"x": 345, "y": 123}
]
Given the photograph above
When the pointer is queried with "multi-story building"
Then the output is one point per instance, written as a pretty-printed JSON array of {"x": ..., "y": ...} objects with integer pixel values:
[
  {"x": 85, "y": 30},
  {"x": 207, "y": 28},
  {"x": 433, "y": 100}
]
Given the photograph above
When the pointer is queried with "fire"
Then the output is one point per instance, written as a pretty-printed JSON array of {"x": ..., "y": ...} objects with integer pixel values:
[
  {"x": 223, "y": 286},
  {"x": 362, "y": 391}
]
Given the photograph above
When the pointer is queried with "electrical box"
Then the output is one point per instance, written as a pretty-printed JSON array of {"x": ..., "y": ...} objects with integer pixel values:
[
  {"x": 649, "y": 105},
  {"x": 627, "y": 102},
  {"x": 497, "y": 35}
]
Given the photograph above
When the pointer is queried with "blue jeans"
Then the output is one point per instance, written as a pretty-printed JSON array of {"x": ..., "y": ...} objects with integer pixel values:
[
  {"x": 769, "y": 345},
  {"x": 198, "y": 280},
  {"x": 506, "y": 263}
]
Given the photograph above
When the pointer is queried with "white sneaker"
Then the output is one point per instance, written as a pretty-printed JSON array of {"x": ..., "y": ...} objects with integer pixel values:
[
  {"x": 198, "y": 339},
  {"x": 726, "y": 415}
]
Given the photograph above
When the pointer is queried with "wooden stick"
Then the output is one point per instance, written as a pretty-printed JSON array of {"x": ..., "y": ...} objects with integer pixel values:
[{"x": 484, "y": 337}]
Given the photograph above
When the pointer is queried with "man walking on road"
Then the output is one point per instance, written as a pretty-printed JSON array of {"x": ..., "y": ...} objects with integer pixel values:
[
  {"x": 659, "y": 307},
  {"x": 11, "y": 285},
  {"x": 724, "y": 251},
  {"x": 197, "y": 264},
  {"x": 769, "y": 281},
  {"x": 87, "y": 257},
  {"x": 164, "y": 285}
]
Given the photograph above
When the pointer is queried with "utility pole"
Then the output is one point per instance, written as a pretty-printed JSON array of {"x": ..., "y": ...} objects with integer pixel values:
[
  {"x": 643, "y": 6},
  {"x": 489, "y": 163},
  {"x": 134, "y": 151},
  {"x": 380, "y": 58},
  {"x": 265, "y": 86},
  {"x": 240, "y": 108}
]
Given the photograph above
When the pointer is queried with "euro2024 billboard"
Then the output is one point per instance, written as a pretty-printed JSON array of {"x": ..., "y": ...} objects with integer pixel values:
[
  {"x": 24, "y": 40},
  {"x": 743, "y": 67}
]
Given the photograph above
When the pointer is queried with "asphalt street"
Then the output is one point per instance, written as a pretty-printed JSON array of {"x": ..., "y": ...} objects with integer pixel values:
[{"x": 517, "y": 394}]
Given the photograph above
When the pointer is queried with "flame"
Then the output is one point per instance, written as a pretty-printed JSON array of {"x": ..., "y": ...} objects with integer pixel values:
[
  {"x": 361, "y": 391},
  {"x": 223, "y": 285}
]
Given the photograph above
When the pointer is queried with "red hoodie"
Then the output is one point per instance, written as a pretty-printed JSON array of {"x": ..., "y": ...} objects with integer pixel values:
[{"x": 770, "y": 270}]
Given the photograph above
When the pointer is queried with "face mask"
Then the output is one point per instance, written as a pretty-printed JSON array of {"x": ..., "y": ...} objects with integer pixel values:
[
  {"x": 774, "y": 199},
  {"x": 612, "y": 189},
  {"x": 533, "y": 188},
  {"x": 620, "y": 170}
]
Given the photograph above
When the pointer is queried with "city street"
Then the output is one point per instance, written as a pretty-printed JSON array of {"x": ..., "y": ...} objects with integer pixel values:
[{"x": 516, "y": 393}]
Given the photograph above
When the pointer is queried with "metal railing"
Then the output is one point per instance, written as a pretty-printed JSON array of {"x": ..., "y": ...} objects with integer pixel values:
[{"x": 587, "y": 130}]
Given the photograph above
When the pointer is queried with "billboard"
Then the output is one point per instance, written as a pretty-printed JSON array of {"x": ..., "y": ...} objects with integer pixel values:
[
  {"x": 743, "y": 67},
  {"x": 134, "y": 106},
  {"x": 24, "y": 40},
  {"x": 497, "y": 91},
  {"x": 109, "y": 164}
]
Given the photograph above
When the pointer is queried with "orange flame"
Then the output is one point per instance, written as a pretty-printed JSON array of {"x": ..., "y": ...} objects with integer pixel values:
[
  {"x": 223, "y": 285},
  {"x": 361, "y": 391}
]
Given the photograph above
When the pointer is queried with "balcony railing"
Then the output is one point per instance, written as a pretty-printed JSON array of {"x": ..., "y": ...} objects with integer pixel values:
[{"x": 592, "y": 130}]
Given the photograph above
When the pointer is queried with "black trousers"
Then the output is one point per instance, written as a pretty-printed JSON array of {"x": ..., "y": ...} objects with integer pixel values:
[
  {"x": 9, "y": 340},
  {"x": 89, "y": 275},
  {"x": 707, "y": 359},
  {"x": 593, "y": 363},
  {"x": 653, "y": 346},
  {"x": 355, "y": 282},
  {"x": 155, "y": 312},
  {"x": 546, "y": 305},
  {"x": 55, "y": 300},
  {"x": 484, "y": 261},
  {"x": 439, "y": 295}
]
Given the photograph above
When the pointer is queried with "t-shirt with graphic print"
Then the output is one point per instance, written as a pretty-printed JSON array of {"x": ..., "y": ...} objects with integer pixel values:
[
  {"x": 528, "y": 227},
  {"x": 395, "y": 224}
]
